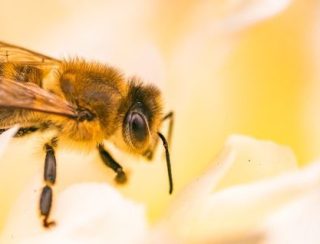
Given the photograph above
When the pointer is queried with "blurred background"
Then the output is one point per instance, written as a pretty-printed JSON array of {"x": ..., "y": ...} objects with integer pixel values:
[{"x": 225, "y": 67}]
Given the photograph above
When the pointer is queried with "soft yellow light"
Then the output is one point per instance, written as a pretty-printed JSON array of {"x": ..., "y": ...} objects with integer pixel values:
[{"x": 219, "y": 76}]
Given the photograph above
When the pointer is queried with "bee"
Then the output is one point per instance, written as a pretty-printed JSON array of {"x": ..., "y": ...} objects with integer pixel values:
[{"x": 85, "y": 103}]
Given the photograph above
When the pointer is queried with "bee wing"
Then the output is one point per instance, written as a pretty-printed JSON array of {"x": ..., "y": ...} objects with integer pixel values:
[
  {"x": 15, "y": 54},
  {"x": 29, "y": 96}
]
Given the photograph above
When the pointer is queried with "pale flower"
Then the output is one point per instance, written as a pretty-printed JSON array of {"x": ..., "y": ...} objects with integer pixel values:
[
  {"x": 6, "y": 137},
  {"x": 269, "y": 200},
  {"x": 224, "y": 67},
  {"x": 272, "y": 199}
]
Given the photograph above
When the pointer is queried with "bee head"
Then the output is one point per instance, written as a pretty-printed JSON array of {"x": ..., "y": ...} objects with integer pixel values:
[{"x": 142, "y": 112}]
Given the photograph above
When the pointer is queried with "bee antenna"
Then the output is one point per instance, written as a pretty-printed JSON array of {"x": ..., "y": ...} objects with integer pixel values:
[{"x": 165, "y": 145}]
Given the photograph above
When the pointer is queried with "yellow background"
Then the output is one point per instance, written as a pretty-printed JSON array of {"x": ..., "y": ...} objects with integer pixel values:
[{"x": 259, "y": 79}]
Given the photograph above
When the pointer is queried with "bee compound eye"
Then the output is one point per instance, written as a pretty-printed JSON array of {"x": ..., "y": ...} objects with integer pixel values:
[{"x": 138, "y": 127}]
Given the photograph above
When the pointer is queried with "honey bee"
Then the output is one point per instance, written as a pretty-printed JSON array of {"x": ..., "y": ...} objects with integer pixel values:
[{"x": 85, "y": 103}]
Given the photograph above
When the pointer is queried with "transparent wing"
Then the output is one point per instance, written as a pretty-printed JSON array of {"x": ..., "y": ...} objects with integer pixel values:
[{"x": 14, "y": 54}]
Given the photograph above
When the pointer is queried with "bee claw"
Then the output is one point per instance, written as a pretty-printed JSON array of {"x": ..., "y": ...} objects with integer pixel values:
[
  {"x": 121, "y": 177},
  {"x": 48, "y": 224}
]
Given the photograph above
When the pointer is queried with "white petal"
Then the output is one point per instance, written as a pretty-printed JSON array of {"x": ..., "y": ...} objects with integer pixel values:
[
  {"x": 296, "y": 222},
  {"x": 5, "y": 137},
  {"x": 85, "y": 213},
  {"x": 202, "y": 214}
]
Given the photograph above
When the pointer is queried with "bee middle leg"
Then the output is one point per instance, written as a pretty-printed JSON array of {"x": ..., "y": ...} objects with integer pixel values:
[
  {"x": 50, "y": 171},
  {"x": 110, "y": 162}
]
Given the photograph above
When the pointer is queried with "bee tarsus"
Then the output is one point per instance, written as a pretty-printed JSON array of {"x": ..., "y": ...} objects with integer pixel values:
[
  {"x": 50, "y": 171},
  {"x": 111, "y": 163},
  {"x": 45, "y": 206},
  {"x": 121, "y": 176}
]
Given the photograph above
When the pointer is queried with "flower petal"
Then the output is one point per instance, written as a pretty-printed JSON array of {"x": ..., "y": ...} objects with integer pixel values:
[
  {"x": 298, "y": 221},
  {"x": 5, "y": 137},
  {"x": 210, "y": 210},
  {"x": 85, "y": 213}
]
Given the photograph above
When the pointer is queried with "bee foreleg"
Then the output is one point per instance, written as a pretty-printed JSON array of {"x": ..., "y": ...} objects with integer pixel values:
[
  {"x": 110, "y": 162},
  {"x": 169, "y": 116},
  {"x": 50, "y": 170}
]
